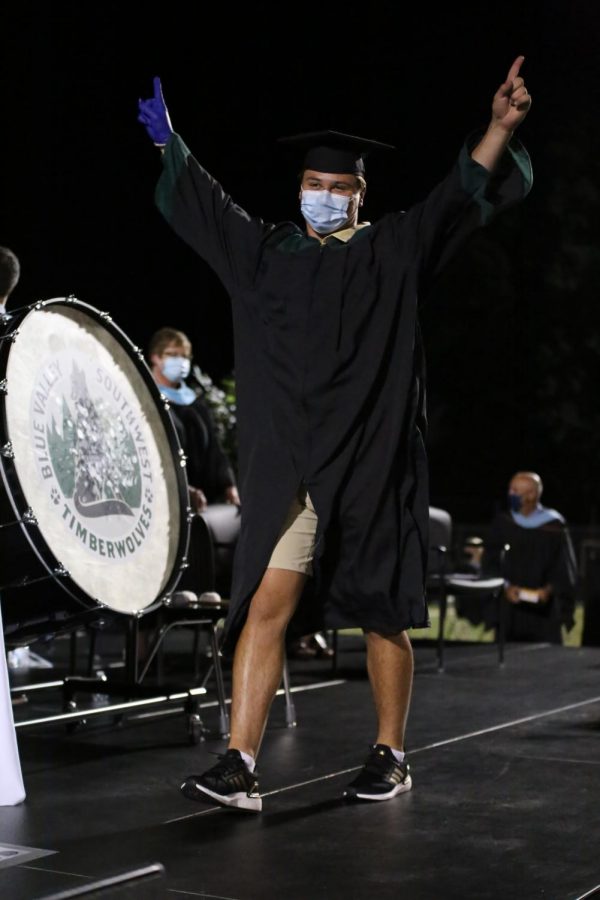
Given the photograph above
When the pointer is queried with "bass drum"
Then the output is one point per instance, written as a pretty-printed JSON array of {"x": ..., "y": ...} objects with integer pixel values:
[{"x": 94, "y": 495}]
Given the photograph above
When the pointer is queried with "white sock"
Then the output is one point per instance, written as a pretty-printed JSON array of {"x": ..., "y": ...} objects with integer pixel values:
[
  {"x": 249, "y": 760},
  {"x": 399, "y": 754}
]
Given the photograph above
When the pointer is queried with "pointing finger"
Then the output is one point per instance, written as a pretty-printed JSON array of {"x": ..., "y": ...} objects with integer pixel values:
[
  {"x": 158, "y": 94},
  {"x": 514, "y": 69}
]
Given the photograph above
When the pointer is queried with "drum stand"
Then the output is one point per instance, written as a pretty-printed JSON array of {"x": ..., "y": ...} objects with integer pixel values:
[{"x": 136, "y": 694}]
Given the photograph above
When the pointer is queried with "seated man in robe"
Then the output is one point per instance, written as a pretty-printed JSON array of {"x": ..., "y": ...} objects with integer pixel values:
[{"x": 539, "y": 567}]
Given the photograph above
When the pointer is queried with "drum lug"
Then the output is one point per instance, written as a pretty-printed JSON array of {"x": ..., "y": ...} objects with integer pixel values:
[
  {"x": 61, "y": 571},
  {"x": 29, "y": 517},
  {"x": 184, "y": 564},
  {"x": 106, "y": 316},
  {"x": 7, "y": 451},
  {"x": 13, "y": 335},
  {"x": 71, "y": 299},
  {"x": 3, "y": 386},
  {"x": 139, "y": 353},
  {"x": 182, "y": 457}
]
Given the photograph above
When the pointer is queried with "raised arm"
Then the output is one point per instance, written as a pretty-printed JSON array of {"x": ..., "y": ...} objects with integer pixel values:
[
  {"x": 195, "y": 205},
  {"x": 510, "y": 105}
]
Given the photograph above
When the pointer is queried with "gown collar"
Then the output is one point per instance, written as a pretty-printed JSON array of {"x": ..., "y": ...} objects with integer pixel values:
[
  {"x": 540, "y": 516},
  {"x": 182, "y": 395}
]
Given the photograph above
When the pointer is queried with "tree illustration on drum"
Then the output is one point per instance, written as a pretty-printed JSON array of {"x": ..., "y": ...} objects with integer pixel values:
[{"x": 93, "y": 455}]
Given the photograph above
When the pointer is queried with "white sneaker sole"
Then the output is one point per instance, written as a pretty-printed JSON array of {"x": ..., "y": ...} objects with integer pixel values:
[
  {"x": 248, "y": 802},
  {"x": 401, "y": 788}
]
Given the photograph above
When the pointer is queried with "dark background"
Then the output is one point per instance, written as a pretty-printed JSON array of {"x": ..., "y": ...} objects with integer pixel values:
[{"x": 512, "y": 328}]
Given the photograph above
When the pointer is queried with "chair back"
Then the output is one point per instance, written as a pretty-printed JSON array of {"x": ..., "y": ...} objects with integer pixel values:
[
  {"x": 213, "y": 538},
  {"x": 440, "y": 540},
  {"x": 223, "y": 522}
]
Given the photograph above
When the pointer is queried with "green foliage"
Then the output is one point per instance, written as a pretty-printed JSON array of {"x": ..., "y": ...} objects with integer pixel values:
[{"x": 221, "y": 398}]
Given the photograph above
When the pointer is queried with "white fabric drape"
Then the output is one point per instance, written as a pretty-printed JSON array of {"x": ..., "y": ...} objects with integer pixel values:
[{"x": 12, "y": 790}]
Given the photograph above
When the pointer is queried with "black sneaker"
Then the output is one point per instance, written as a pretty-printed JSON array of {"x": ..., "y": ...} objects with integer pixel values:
[
  {"x": 229, "y": 782},
  {"x": 381, "y": 778}
]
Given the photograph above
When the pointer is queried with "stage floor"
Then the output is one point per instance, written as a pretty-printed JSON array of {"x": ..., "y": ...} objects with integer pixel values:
[{"x": 505, "y": 802}]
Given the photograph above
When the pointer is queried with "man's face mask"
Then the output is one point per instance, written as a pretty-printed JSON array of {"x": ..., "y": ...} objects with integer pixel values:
[
  {"x": 515, "y": 502},
  {"x": 325, "y": 212},
  {"x": 176, "y": 368}
]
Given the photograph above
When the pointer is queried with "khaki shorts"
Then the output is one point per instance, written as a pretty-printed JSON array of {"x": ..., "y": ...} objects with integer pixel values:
[{"x": 295, "y": 547}]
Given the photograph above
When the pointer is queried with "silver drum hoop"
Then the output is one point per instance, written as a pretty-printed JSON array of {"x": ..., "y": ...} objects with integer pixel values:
[{"x": 90, "y": 462}]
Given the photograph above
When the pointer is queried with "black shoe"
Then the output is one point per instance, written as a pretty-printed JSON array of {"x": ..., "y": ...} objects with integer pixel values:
[
  {"x": 229, "y": 782},
  {"x": 381, "y": 778}
]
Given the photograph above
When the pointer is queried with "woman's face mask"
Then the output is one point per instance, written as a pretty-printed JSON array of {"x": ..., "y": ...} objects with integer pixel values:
[
  {"x": 325, "y": 212},
  {"x": 175, "y": 368}
]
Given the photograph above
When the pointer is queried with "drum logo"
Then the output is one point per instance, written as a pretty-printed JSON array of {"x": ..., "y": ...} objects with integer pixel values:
[{"x": 92, "y": 455}]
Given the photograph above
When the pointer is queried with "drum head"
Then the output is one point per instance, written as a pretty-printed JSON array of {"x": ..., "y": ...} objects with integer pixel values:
[{"x": 95, "y": 457}]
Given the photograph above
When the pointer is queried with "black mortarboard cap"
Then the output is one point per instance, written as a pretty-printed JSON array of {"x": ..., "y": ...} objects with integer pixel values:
[{"x": 334, "y": 151}]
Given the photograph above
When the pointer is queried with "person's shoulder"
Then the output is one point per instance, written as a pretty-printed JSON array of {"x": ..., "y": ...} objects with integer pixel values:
[
  {"x": 200, "y": 403},
  {"x": 556, "y": 521},
  {"x": 280, "y": 233}
]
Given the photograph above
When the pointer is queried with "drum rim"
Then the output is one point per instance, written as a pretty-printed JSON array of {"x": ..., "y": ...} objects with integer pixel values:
[{"x": 11, "y": 481}]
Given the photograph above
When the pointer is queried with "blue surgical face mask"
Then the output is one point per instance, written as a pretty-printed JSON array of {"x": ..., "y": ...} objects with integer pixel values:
[
  {"x": 325, "y": 212},
  {"x": 515, "y": 502},
  {"x": 176, "y": 368}
]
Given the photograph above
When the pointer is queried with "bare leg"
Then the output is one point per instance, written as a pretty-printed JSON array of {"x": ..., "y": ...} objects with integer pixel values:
[
  {"x": 259, "y": 656},
  {"x": 390, "y": 669}
]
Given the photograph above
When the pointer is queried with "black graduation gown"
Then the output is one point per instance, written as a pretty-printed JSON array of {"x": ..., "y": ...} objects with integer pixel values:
[
  {"x": 207, "y": 465},
  {"x": 537, "y": 557},
  {"x": 329, "y": 381}
]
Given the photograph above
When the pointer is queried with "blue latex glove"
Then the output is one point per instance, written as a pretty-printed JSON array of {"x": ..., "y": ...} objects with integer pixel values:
[{"x": 154, "y": 116}]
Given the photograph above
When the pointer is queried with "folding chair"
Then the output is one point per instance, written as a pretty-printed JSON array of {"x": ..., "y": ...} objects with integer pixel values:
[{"x": 443, "y": 581}]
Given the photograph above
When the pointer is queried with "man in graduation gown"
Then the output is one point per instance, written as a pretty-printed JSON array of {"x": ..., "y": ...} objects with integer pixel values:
[
  {"x": 539, "y": 565},
  {"x": 331, "y": 418}
]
